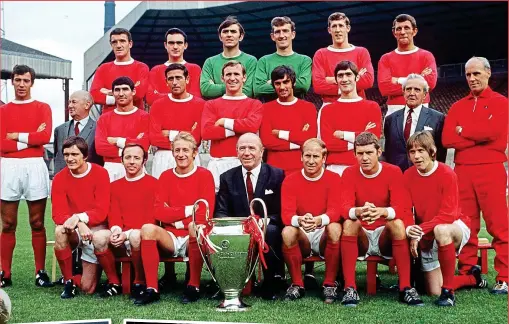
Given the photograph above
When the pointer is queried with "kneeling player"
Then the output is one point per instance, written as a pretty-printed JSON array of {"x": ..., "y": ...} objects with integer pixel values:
[
  {"x": 177, "y": 190},
  {"x": 441, "y": 230},
  {"x": 132, "y": 206},
  {"x": 80, "y": 202},
  {"x": 310, "y": 211},
  {"x": 376, "y": 208}
]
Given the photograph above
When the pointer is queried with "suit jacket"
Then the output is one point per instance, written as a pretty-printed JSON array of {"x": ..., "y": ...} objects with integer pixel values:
[
  {"x": 395, "y": 145},
  {"x": 65, "y": 131},
  {"x": 231, "y": 200}
]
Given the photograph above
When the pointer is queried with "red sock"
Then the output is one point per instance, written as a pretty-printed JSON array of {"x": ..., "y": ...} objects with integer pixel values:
[
  {"x": 64, "y": 258},
  {"x": 150, "y": 257},
  {"x": 332, "y": 257},
  {"x": 401, "y": 254},
  {"x": 349, "y": 253},
  {"x": 462, "y": 281},
  {"x": 447, "y": 259},
  {"x": 39, "y": 247},
  {"x": 77, "y": 280},
  {"x": 107, "y": 262},
  {"x": 7, "y": 244},
  {"x": 195, "y": 263},
  {"x": 293, "y": 259},
  {"x": 139, "y": 274}
]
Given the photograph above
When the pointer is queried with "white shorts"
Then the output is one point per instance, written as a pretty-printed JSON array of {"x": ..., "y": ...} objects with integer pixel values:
[
  {"x": 429, "y": 259},
  {"x": 337, "y": 168},
  {"x": 87, "y": 247},
  {"x": 164, "y": 160},
  {"x": 180, "y": 244},
  {"x": 373, "y": 247},
  {"x": 115, "y": 170},
  {"x": 314, "y": 238},
  {"x": 218, "y": 166},
  {"x": 25, "y": 177}
]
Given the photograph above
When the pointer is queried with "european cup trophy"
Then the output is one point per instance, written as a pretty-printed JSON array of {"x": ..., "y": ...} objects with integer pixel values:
[{"x": 230, "y": 251}]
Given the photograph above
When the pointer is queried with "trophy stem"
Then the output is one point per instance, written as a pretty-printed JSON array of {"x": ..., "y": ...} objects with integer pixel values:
[{"x": 232, "y": 302}]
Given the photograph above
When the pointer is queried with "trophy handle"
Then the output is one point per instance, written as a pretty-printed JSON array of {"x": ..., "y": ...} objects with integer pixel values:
[
  {"x": 251, "y": 209},
  {"x": 197, "y": 233}
]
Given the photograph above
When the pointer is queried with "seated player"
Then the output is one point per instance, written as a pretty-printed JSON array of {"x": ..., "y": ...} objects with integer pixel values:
[
  {"x": 441, "y": 229},
  {"x": 310, "y": 210},
  {"x": 375, "y": 208},
  {"x": 177, "y": 190},
  {"x": 132, "y": 206},
  {"x": 80, "y": 198}
]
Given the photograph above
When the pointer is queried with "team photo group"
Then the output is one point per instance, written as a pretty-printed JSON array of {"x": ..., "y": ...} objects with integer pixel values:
[{"x": 342, "y": 182}]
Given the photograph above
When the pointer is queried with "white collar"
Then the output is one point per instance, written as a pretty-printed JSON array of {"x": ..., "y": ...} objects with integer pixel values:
[
  {"x": 433, "y": 169},
  {"x": 135, "y": 178},
  {"x": 230, "y": 57},
  {"x": 167, "y": 63},
  {"x": 341, "y": 50},
  {"x": 234, "y": 97},
  {"x": 289, "y": 103},
  {"x": 131, "y": 61},
  {"x": 83, "y": 121},
  {"x": 350, "y": 100},
  {"x": 190, "y": 173},
  {"x": 89, "y": 167},
  {"x": 416, "y": 110},
  {"x": 371, "y": 176},
  {"x": 118, "y": 112},
  {"x": 22, "y": 102},
  {"x": 312, "y": 179},
  {"x": 406, "y": 52},
  {"x": 180, "y": 100},
  {"x": 255, "y": 172}
]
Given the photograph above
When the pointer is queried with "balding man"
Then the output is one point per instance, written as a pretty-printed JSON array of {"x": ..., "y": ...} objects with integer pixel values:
[
  {"x": 80, "y": 125},
  {"x": 239, "y": 186}
]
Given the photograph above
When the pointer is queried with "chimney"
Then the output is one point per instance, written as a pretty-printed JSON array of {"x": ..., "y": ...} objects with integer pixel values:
[{"x": 109, "y": 15}]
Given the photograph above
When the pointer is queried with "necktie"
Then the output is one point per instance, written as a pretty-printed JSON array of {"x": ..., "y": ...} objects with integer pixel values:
[
  {"x": 249, "y": 187},
  {"x": 408, "y": 124},
  {"x": 76, "y": 128}
]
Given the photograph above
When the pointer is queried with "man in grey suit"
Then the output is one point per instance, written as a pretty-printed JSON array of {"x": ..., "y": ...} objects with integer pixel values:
[
  {"x": 80, "y": 125},
  {"x": 400, "y": 125}
]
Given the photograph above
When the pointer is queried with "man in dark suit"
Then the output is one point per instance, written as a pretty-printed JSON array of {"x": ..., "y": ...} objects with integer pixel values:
[
  {"x": 80, "y": 125},
  {"x": 240, "y": 185},
  {"x": 400, "y": 125}
]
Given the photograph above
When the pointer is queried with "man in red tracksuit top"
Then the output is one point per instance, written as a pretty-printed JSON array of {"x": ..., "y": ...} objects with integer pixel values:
[
  {"x": 283, "y": 137},
  {"x": 441, "y": 229},
  {"x": 375, "y": 208},
  {"x": 476, "y": 126},
  {"x": 123, "y": 65},
  {"x": 177, "y": 191},
  {"x": 131, "y": 207},
  {"x": 80, "y": 198}
]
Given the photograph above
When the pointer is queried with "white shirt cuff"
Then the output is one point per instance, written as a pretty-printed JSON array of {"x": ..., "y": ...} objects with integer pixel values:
[
  {"x": 349, "y": 146},
  {"x": 228, "y": 123},
  {"x": 325, "y": 219},
  {"x": 284, "y": 135},
  {"x": 83, "y": 217},
  {"x": 121, "y": 142},
  {"x": 189, "y": 210},
  {"x": 391, "y": 213},
  {"x": 294, "y": 146},
  {"x": 349, "y": 136},
  {"x": 113, "y": 228},
  {"x": 110, "y": 100},
  {"x": 119, "y": 152},
  {"x": 179, "y": 225},
  {"x": 172, "y": 135},
  {"x": 21, "y": 146},
  {"x": 23, "y": 138},
  {"x": 229, "y": 133},
  {"x": 351, "y": 213},
  {"x": 401, "y": 80},
  {"x": 295, "y": 221}
]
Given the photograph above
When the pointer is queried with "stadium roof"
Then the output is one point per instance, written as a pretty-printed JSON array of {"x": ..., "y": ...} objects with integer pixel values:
[{"x": 452, "y": 31}]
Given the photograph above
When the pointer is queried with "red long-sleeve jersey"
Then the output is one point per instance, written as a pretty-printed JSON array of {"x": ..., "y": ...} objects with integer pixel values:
[
  {"x": 176, "y": 115},
  {"x": 399, "y": 65},
  {"x": 324, "y": 63},
  {"x": 246, "y": 114},
  {"x": 348, "y": 116},
  {"x": 318, "y": 196},
  {"x": 483, "y": 120},
  {"x": 386, "y": 189},
  {"x": 89, "y": 193},
  {"x": 176, "y": 193},
  {"x": 297, "y": 114},
  {"x": 120, "y": 124},
  {"x": 25, "y": 117},
  {"x": 157, "y": 87},
  {"x": 107, "y": 73}
]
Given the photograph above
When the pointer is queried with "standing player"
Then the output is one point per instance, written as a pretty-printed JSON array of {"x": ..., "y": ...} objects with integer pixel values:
[
  {"x": 476, "y": 126},
  {"x": 326, "y": 59},
  {"x": 177, "y": 190},
  {"x": 225, "y": 119},
  {"x": 123, "y": 65},
  {"x": 282, "y": 33},
  {"x": 25, "y": 126},
  {"x": 125, "y": 124},
  {"x": 441, "y": 229},
  {"x": 175, "y": 43},
  {"x": 376, "y": 208},
  {"x": 310, "y": 211},
  {"x": 283, "y": 137},
  {"x": 407, "y": 58},
  {"x": 340, "y": 122},
  {"x": 231, "y": 33}
]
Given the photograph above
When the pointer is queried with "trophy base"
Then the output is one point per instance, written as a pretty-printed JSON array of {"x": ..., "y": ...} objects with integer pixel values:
[{"x": 232, "y": 305}]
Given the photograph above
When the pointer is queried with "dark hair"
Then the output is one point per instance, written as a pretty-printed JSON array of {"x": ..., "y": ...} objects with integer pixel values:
[
  {"x": 425, "y": 140},
  {"x": 22, "y": 69},
  {"x": 281, "y": 21},
  {"x": 233, "y": 63},
  {"x": 366, "y": 138},
  {"x": 80, "y": 143},
  {"x": 403, "y": 18},
  {"x": 173, "y": 31},
  {"x": 280, "y": 72},
  {"x": 120, "y": 31},
  {"x": 345, "y": 65},
  {"x": 176, "y": 66},
  {"x": 134, "y": 144},
  {"x": 338, "y": 16},
  {"x": 121, "y": 81},
  {"x": 230, "y": 20}
]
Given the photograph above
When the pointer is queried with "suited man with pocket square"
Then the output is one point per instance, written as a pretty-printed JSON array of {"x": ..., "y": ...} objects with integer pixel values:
[
  {"x": 240, "y": 185},
  {"x": 400, "y": 125}
]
